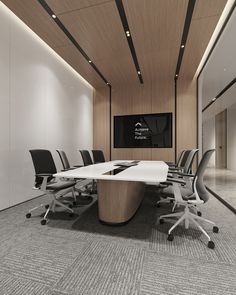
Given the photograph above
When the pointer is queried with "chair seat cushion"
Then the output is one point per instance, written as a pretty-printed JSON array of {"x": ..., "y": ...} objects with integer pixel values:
[
  {"x": 185, "y": 192},
  {"x": 59, "y": 185}
]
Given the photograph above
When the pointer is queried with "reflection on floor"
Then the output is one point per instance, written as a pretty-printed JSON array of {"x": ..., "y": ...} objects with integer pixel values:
[{"x": 223, "y": 183}]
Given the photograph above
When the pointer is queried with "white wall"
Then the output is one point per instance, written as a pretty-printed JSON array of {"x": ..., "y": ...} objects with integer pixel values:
[
  {"x": 216, "y": 75},
  {"x": 208, "y": 138},
  {"x": 44, "y": 103},
  {"x": 231, "y": 138}
]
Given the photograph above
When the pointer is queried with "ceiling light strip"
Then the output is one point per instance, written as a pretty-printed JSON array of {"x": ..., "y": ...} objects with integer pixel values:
[
  {"x": 205, "y": 57},
  {"x": 220, "y": 94},
  {"x": 72, "y": 39},
  {"x": 120, "y": 7},
  {"x": 188, "y": 18}
]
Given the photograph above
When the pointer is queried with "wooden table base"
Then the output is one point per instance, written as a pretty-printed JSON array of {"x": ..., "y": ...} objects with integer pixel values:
[{"x": 118, "y": 200}]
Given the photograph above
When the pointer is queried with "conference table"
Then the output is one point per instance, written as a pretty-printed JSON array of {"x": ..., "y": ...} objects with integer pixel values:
[{"x": 120, "y": 185}]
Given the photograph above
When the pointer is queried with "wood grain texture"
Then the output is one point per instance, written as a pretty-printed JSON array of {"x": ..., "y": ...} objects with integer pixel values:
[
  {"x": 99, "y": 30},
  {"x": 156, "y": 28},
  {"x": 221, "y": 139},
  {"x": 205, "y": 18},
  {"x": 137, "y": 99},
  {"x": 65, "y": 6},
  {"x": 118, "y": 200},
  {"x": 208, "y": 8},
  {"x": 186, "y": 115},
  {"x": 74, "y": 58},
  {"x": 34, "y": 16},
  {"x": 101, "y": 117}
]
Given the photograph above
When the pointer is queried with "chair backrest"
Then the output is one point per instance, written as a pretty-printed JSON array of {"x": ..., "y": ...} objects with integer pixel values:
[
  {"x": 198, "y": 178},
  {"x": 98, "y": 156},
  {"x": 184, "y": 158},
  {"x": 64, "y": 159},
  {"x": 180, "y": 158},
  {"x": 43, "y": 163},
  {"x": 86, "y": 157},
  {"x": 189, "y": 161}
]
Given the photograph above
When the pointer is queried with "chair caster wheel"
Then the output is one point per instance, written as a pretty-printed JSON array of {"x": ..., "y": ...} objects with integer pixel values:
[
  {"x": 74, "y": 203},
  {"x": 28, "y": 215},
  {"x": 199, "y": 213},
  {"x": 71, "y": 214},
  {"x": 161, "y": 221},
  {"x": 171, "y": 201},
  {"x": 170, "y": 237},
  {"x": 43, "y": 221},
  {"x": 211, "y": 245},
  {"x": 70, "y": 206},
  {"x": 46, "y": 206},
  {"x": 215, "y": 229}
]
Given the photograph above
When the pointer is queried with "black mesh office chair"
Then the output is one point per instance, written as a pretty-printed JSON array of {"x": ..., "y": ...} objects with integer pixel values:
[
  {"x": 189, "y": 198},
  {"x": 82, "y": 189},
  {"x": 185, "y": 167},
  {"x": 44, "y": 169},
  {"x": 87, "y": 160},
  {"x": 178, "y": 163},
  {"x": 65, "y": 162},
  {"x": 98, "y": 156}
]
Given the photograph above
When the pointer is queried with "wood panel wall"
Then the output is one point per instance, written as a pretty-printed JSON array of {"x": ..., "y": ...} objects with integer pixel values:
[
  {"x": 186, "y": 115},
  {"x": 101, "y": 121},
  {"x": 128, "y": 100}
]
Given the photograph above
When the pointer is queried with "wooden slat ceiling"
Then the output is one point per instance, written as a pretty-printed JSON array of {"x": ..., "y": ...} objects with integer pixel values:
[{"x": 156, "y": 27}]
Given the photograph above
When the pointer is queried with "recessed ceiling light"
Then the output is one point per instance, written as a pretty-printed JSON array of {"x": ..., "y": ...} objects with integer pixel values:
[
  {"x": 54, "y": 16},
  {"x": 127, "y": 33},
  {"x": 182, "y": 46},
  {"x": 90, "y": 61},
  {"x": 213, "y": 99}
]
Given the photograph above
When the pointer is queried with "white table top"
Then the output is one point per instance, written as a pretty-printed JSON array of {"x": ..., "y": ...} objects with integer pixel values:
[{"x": 145, "y": 171}]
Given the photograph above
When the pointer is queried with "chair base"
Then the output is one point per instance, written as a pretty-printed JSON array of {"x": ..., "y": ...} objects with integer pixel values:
[
  {"x": 170, "y": 200},
  {"x": 52, "y": 205},
  {"x": 186, "y": 216}
]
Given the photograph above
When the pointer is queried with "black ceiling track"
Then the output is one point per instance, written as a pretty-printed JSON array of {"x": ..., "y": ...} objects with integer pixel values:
[
  {"x": 188, "y": 18},
  {"x": 120, "y": 7},
  {"x": 72, "y": 39},
  {"x": 227, "y": 87}
]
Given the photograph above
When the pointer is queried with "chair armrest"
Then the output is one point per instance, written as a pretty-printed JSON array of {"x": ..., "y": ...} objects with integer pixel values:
[
  {"x": 171, "y": 164},
  {"x": 176, "y": 180},
  {"x": 185, "y": 174},
  {"x": 63, "y": 170},
  {"x": 45, "y": 177},
  {"x": 175, "y": 169}
]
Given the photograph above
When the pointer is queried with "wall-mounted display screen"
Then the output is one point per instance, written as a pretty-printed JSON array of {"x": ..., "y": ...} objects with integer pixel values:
[{"x": 143, "y": 131}]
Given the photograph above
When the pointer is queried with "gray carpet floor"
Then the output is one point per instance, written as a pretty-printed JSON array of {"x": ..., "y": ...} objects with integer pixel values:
[{"x": 79, "y": 255}]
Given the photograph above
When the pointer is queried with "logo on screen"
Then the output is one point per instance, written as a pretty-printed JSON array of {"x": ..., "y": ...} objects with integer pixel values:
[{"x": 139, "y": 131}]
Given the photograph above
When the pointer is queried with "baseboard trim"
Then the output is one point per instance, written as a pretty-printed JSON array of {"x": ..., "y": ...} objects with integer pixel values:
[
  {"x": 22, "y": 203},
  {"x": 231, "y": 208}
]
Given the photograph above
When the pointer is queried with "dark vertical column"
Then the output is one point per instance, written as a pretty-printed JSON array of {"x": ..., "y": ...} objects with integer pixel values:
[
  {"x": 175, "y": 120},
  {"x": 110, "y": 121}
]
